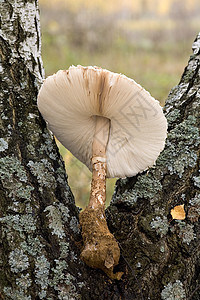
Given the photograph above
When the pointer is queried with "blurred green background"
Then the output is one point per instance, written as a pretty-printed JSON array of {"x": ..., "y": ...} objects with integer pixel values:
[{"x": 147, "y": 40}]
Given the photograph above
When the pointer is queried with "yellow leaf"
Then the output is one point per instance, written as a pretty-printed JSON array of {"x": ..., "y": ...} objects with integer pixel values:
[{"x": 178, "y": 212}]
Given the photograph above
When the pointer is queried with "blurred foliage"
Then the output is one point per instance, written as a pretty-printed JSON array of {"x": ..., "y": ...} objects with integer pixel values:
[
  {"x": 163, "y": 8},
  {"x": 147, "y": 40}
]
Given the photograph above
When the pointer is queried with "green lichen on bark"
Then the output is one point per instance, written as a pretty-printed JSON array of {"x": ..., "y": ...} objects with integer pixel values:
[
  {"x": 194, "y": 208},
  {"x": 14, "y": 178},
  {"x": 146, "y": 187},
  {"x": 44, "y": 172},
  {"x": 18, "y": 261},
  {"x": 42, "y": 267},
  {"x": 172, "y": 116},
  {"x": 160, "y": 224},
  {"x": 20, "y": 223},
  {"x": 196, "y": 180},
  {"x": 186, "y": 232},
  {"x": 3, "y": 145},
  {"x": 57, "y": 215},
  {"x": 174, "y": 291},
  {"x": 181, "y": 147}
]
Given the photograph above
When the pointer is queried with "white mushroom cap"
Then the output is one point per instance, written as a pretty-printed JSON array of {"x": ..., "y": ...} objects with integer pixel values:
[{"x": 70, "y": 100}]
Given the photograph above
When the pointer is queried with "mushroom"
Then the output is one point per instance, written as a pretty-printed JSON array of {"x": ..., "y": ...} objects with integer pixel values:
[{"x": 112, "y": 125}]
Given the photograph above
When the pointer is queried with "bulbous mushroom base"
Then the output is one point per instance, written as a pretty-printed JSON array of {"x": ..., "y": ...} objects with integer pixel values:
[{"x": 100, "y": 250}]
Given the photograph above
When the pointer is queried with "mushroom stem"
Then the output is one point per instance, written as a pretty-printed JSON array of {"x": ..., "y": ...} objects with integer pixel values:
[
  {"x": 98, "y": 184},
  {"x": 100, "y": 250}
]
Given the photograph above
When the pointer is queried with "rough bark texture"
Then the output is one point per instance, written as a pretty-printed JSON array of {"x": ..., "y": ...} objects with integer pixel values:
[{"x": 39, "y": 233}]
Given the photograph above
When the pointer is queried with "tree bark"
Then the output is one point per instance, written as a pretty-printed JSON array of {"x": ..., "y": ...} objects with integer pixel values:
[{"x": 40, "y": 241}]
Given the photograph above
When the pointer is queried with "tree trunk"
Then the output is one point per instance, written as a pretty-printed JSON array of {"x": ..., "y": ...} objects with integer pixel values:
[{"x": 40, "y": 241}]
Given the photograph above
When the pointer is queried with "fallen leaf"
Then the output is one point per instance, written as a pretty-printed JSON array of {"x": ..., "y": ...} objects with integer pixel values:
[{"x": 178, "y": 212}]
